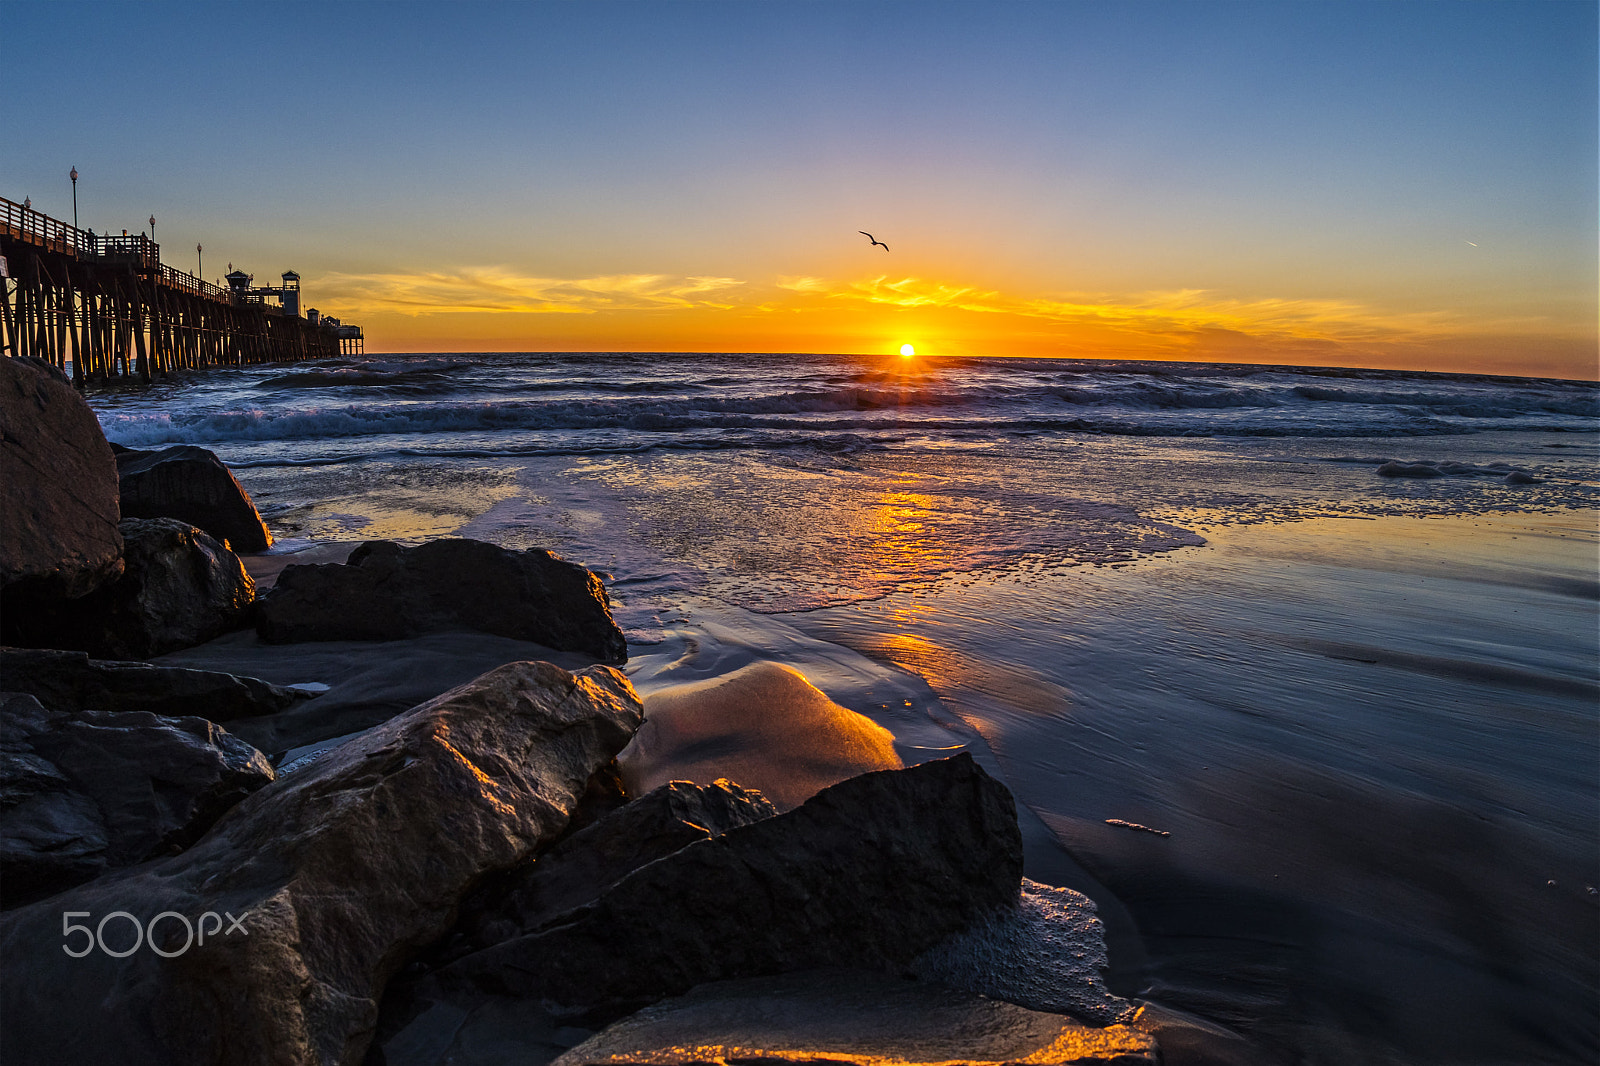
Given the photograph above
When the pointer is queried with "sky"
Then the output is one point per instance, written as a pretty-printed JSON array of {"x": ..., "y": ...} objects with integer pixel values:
[{"x": 1404, "y": 184}]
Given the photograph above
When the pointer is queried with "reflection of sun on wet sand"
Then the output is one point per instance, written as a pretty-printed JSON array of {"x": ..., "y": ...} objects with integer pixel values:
[{"x": 764, "y": 726}]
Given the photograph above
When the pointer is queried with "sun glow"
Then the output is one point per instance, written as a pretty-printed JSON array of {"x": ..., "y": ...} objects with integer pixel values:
[{"x": 907, "y": 350}]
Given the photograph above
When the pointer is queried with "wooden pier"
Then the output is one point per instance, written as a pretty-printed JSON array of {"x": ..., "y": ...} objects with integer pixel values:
[{"x": 107, "y": 307}]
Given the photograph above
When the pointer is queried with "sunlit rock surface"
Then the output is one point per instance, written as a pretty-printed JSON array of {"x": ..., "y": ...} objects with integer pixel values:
[
  {"x": 339, "y": 871},
  {"x": 846, "y": 1017},
  {"x": 764, "y": 726}
]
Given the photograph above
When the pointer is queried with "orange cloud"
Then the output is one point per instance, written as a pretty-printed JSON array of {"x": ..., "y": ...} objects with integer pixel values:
[{"x": 494, "y": 308}]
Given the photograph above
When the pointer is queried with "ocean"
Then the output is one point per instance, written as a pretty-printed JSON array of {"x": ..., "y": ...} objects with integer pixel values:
[{"x": 1331, "y": 634}]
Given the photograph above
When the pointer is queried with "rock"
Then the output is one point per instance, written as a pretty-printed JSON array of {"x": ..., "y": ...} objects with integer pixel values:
[
  {"x": 867, "y": 874},
  {"x": 335, "y": 876},
  {"x": 368, "y": 683},
  {"x": 763, "y": 725},
  {"x": 86, "y": 791},
  {"x": 1395, "y": 468},
  {"x": 179, "y": 588},
  {"x": 386, "y": 592},
  {"x": 71, "y": 681},
  {"x": 583, "y": 865},
  {"x": 850, "y": 1017},
  {"x": 191, "y": 485},
  {"x": 58, "y": 491}
]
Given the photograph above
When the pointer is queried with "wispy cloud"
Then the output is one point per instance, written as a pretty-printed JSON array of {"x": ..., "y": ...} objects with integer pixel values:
[
  {"x": 1180, "y": 311},
  {"x": 489, "y": 290},
  {"x": 1182, "y": 320}
]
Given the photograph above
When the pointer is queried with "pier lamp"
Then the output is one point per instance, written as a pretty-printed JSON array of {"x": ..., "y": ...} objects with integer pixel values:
[
  {"x": 152, "y": 228},
  {"x": 74, "y": 177},
  {"x": 199, "y": 264}
]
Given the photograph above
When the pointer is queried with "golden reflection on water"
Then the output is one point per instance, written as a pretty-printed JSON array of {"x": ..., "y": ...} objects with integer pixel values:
[
  {"x": 900, "y": 537},
  {"x": 951, "y": 673}
]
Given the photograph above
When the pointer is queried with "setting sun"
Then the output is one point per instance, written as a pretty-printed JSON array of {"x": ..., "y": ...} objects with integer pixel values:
[{"x": 907, "y": 350}]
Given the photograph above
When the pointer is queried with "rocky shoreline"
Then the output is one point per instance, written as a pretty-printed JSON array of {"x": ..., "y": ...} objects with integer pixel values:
[{"x": 497, "y": 860}]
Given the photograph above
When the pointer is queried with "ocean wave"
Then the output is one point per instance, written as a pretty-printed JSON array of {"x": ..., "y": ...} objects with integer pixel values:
[{"x": 1503, "y": 404}]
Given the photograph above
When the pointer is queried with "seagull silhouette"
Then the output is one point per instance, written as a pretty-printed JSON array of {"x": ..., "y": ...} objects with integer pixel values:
[{"x": 873, "y": 239}]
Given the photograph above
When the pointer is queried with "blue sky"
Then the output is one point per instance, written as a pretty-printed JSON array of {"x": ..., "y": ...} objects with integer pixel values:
[{"x": 1428, "y": 167}]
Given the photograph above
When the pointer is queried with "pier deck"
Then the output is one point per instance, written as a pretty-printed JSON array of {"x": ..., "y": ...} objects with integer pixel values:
[{"x": 111, "y": 310}]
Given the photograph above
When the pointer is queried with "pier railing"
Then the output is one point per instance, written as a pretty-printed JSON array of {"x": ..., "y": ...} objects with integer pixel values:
[
  {"x": 138, "y": 251},
  {"x": 108, "y": 308},
  {"x": 35, "y": 227}
]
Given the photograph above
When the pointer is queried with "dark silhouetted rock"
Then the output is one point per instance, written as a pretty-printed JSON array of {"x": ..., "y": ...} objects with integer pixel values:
[
  {"x": 336, "y": 873},
  {"x": 386, "y": 592},
  {"x": 179, "y": 588},
  {"x": 853, "y": 1017},
  {"x": 58, "y": 491},
  {"x": 86, "y": 791},
  {"x": 867, "y": 873},
  {"x": 71, "y": 681},
  {"x": 583, "y": 865},
  {"x": 191, "y": 485}
]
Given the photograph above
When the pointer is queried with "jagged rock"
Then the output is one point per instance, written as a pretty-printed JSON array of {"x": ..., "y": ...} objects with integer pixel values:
[
  {"x": 386, "y": 592},
  {"x": 867, "y": 873},
  {"x": 71, "y": 681},
  {"x": 58, "y": 492},
  {"x": 852, "y": 1017},
  {"x": 336, "y": 874},
  {"x": 581, "y": 866},
  {"x": 191, "y": 485},
  {"x": 86, "y": 791},
  {"x": 179, "y": 588}
]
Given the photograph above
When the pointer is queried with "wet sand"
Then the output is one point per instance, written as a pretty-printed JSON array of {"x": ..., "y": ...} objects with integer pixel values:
[{"x": 1373, "y": 745}]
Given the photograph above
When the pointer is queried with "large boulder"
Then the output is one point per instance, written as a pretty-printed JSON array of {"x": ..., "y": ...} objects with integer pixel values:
[
  {"x": 867, "y": 874},
  {"x": 179, "y": 588},
  {"x": 853, "y": 1018},
  {"x": 82, "y": 792},
  {"x": 71, "y": 681},
  {"x": 58, "y": 490},
  {"x": 191, "y": 485},
  {"x": 386, "y": 592},
  {"x": 335, "y": 875}
]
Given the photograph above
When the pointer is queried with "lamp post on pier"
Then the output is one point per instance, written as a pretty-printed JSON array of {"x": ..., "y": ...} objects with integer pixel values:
[
  {"x": 74, "y": 176},
  {"x": 152, "y": 229},
  {"x": 199, "y": 265}
]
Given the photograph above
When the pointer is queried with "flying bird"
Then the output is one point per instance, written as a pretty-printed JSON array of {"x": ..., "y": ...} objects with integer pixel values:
[{"x": 873, "y": 239}]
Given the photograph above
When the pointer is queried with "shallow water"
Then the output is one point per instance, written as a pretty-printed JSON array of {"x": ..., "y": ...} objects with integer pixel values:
[{"x": 1181, "y": 597}]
